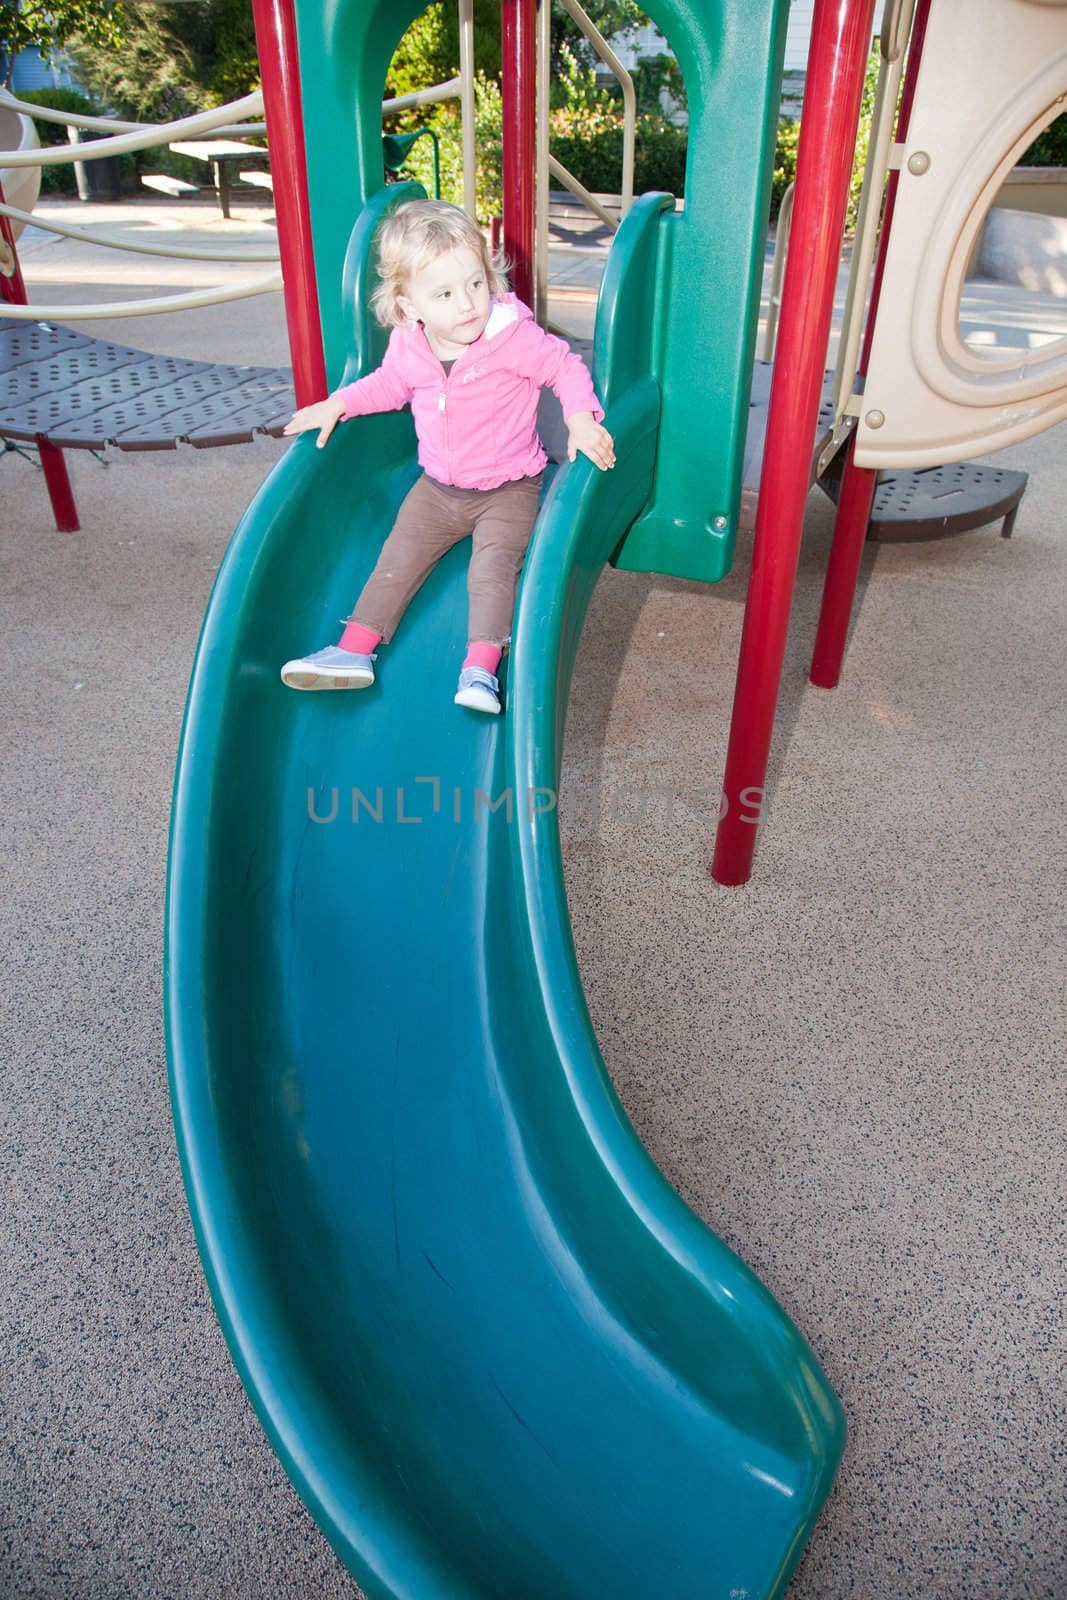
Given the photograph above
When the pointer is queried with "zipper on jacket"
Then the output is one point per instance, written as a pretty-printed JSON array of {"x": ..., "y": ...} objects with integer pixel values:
[{"x": 442, "y": 407}]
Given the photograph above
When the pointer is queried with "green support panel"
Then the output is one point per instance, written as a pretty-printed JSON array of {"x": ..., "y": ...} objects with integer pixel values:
[
  {"x": 708, "y": 282},
  {"x": 710, "y": 256}
]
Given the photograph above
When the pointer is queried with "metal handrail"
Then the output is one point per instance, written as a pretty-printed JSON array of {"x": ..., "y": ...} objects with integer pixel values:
[
  {"x": 774, "y": 293},
  {"x": 113, "y": 242},
  {"x": 468, "y": 108},
  {"x": 569, "y": 181},
  {"x": 268, "y": 283},
  {"x": 123, "y": 144},
  {"x": 72, "y": 119},
  {"x": 629, "y": 95},
  {"x": 423, "y": 97},
  {"x": 460, "y": 88},
  {"x": 896, "y": 24},
  {"x": 548, "y": 166}
]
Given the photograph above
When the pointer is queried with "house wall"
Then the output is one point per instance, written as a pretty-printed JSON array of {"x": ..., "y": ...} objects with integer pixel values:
[{"x": 31, "y": 73}]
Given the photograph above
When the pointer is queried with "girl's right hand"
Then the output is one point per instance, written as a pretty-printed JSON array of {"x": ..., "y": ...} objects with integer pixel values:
[{"x": 324, "y": 415}]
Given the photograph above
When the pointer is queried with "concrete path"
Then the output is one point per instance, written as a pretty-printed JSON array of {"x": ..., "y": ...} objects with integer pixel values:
[{"x": 852, "y": 1068}]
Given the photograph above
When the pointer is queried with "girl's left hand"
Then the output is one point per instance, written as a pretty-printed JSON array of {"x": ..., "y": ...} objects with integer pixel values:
[{"x": 591, "y": 439}]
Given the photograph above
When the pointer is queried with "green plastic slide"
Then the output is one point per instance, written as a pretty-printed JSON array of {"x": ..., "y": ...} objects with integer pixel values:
[{"x": 497, "y": 1354}]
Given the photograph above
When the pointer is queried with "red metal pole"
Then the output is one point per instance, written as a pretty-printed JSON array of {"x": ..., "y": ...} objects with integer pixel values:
[
  {"x": 280, "y": 71},
  {"x": 518, "y": 26},
  {"x": 842, "y": 571},
  {"x": 56, "y": 477},
  {"x": 841, "y": 34},
  {"x": 858, "y": 484}
]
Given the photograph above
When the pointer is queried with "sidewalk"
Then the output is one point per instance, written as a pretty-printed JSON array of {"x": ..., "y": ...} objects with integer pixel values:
[{"x": 852, "y": 1069}]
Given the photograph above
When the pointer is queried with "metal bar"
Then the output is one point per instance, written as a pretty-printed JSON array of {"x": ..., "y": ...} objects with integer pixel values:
[
  {"x": 53, "y": 463},
  {"x": 907, "y": 100},
  {"x": 436, "y": 146},
  {"x": 858, "y": 484},
  {"x": 841, "y": 33},
  {"x": 68, "y": 119},
  {"x": 870, "y": 210},
  {"x": 189, "y": 300},
  {"x": 778, "y": 259},
  {"x": 468, "y": 108},
  {"x": 204, "y": 122},
  {"x": 452, "y": 90},
  {"x": 629, "y": 95},
  {"x": 80, "y": 179},
  {"x": 558, "y": 170},
  {"x": 109, "y": 241},
  {"x": 518, "y": 29},
  {"x": 275, "y": 23}
]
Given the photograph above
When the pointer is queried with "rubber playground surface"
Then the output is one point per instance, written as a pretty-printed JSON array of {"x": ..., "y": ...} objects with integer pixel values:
[{"x": 849, "y": 1069}]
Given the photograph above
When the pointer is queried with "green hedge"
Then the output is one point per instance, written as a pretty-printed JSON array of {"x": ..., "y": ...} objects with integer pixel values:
[
  {"x": 1049, "y": 149},
  {"x": 589, "y": 145},
  {"x": 785, "y": 163}
]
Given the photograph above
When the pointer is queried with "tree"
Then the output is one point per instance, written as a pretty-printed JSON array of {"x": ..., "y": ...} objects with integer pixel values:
[
  {"x": 177, "y": 59},
  {"x": 50, "y": 24},
  {"x": 429, "y": 51},
  {"x": 609, "y": 16}
]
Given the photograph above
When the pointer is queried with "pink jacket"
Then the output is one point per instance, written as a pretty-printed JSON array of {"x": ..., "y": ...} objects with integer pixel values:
[{"x": 477, "y": 426}]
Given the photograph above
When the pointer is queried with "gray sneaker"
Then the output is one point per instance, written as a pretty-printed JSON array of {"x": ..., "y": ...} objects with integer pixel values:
[
  {"x": 479, "y": 690},
  {"x": 332, "y": 668}
]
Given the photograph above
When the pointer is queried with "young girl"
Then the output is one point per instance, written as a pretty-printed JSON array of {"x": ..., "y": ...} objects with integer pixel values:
[{"x": 471, "y": 362}]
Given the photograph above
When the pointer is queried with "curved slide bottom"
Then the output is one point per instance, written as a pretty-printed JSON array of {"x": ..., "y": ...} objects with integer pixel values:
[{"x": 497, "y": 1354}]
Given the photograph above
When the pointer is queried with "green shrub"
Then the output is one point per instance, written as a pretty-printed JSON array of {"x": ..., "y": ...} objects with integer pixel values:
[
  {"x": 586, "y": 134},
  {"x": 589, "y": 144},
  {"x": 785, "y": 152},
  {"x": 445, "y": 120},
  {"x": 1049, "y": 149},
  {"x": 785, "y": 163}
]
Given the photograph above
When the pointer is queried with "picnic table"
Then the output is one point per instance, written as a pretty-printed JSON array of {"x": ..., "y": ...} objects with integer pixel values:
[{"x": 224, "y": 155}]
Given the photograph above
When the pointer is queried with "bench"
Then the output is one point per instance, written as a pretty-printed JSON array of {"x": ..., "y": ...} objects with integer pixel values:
[{"x": 175, "y": 187}]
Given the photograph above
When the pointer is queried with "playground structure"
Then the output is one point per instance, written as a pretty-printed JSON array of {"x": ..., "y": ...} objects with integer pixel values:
[
  {"x": 65, "y": 390},
  {"x": 270, "y": 1100},
  {"x": 62, "y": 389}
]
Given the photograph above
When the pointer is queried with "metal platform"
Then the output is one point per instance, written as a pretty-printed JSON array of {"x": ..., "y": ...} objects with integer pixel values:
[
  {"x": 938, "y": 501},
  {"x": 83, "y": 393}
]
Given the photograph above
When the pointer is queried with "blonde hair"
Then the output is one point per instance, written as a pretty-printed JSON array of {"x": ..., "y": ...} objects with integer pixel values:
[{"x": 415, "y": 234}]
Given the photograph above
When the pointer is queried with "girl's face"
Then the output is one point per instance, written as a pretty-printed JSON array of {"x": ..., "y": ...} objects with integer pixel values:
[{"x": 451, "y": 299}]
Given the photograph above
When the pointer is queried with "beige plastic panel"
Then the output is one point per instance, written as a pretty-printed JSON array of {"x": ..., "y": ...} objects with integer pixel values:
[{"x": 992, "y": 75}]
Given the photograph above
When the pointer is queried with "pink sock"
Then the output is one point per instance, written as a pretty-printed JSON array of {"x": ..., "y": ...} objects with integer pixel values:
[
  {"x": 359, "y": 639},
  {"x": 484, "y": 655}
]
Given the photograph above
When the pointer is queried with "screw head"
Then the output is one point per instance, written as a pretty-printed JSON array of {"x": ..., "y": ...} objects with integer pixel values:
[
  {"x": 875, "y": 419},
  {"x": 919, "y": 163},
  {"x": 718, "y": 523}
]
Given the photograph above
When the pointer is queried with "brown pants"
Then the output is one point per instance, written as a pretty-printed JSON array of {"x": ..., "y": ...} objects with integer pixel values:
[{"x": 434, "y": 517}]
